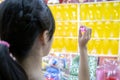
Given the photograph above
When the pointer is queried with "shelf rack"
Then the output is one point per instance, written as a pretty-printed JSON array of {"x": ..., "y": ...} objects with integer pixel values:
[{"x": 81, "y": 21}]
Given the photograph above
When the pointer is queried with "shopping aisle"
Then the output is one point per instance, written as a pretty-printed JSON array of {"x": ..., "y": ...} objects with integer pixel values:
[{"x": 103, "y": 48}]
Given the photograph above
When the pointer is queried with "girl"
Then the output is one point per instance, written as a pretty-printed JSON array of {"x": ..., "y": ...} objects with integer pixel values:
[{"x": 26, "y": 31}]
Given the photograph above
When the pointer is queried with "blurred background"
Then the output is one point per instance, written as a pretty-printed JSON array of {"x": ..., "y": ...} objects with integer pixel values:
[{"x": 103, "y": 16}]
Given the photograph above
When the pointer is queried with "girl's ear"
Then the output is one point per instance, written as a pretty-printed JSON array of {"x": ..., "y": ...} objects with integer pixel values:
[{"x": 44, "y": 37}]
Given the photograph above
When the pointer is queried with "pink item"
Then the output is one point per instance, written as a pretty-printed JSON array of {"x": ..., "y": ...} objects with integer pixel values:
[
  {"x": 100, "y": 74},
  {"x": 110, "y": 70},
  {"x": 5, "y": 43},
  {"x": 82, "y": 29}
]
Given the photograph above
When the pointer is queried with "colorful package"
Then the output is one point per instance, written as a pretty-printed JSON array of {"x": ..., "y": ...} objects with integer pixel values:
[
  {"x": 92, "y": 66},
  {"x": 110, "y": 70},
  {"x": 102, "y": 59}
]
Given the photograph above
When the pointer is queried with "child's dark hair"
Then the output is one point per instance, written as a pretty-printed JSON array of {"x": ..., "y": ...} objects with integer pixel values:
[{"x": 21, "y": 21}]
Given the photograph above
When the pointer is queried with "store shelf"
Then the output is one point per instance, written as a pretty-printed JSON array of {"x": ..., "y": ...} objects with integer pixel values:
[
  {"x": 66, "y": 21},
  {"x": 99, "y": 20},
  {"x": 83, "y": 3},
  {"x": 95, "y": 55},
  {"x": 64, "y": 52},
  {"x": 74, "y": 37},
  {"x": 99, "y": 2},
  {"x": 87, "y": 20},
  {"x": 102, "y": 55},
  {"x": 105, "y": 27},
  {"x": 104, "y": 20},
  {"x": 105, "y": 38}
]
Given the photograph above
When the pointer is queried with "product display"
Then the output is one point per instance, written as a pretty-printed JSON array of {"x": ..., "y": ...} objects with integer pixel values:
[
  {"x": 103, "y": 48},
  {"x": 110, "y": 70},
  {"x": 73, "y": 1},
  {"x": 101, "y": 60},
  {"x": 105, "y": 27}
]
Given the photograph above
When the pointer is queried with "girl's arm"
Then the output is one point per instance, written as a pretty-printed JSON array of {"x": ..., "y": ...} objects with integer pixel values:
[{"x": 83, "y": 40}]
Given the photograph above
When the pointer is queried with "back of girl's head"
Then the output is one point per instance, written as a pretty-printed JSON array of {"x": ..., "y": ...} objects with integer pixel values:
[{"x": 21, "y": 22}]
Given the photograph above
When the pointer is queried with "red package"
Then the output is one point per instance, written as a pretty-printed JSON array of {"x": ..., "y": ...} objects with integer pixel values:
[
  {"x": 60, "y": 1},
  {"x": 111, "y": 78},
  {"x": 110, "y": 70}
]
